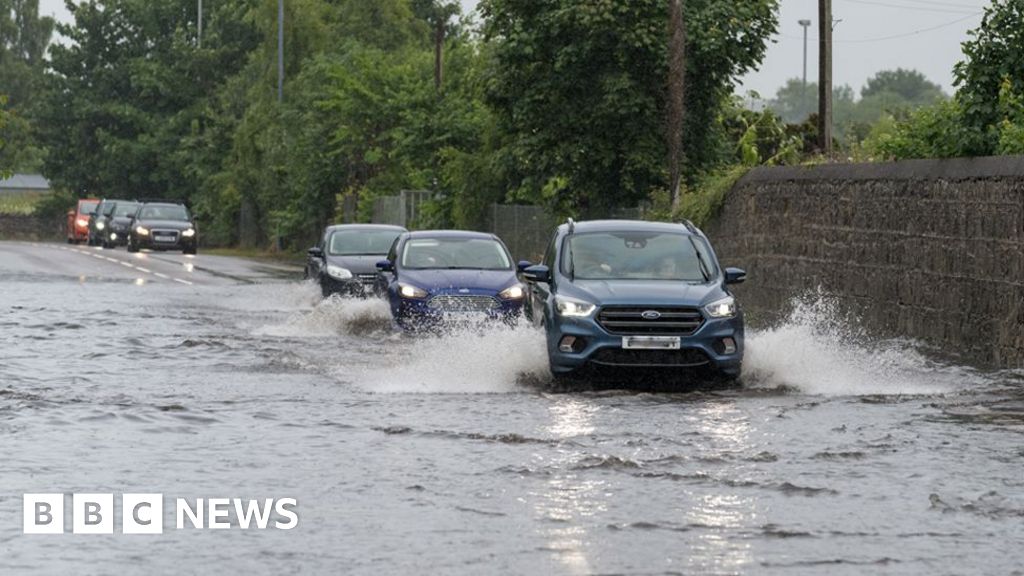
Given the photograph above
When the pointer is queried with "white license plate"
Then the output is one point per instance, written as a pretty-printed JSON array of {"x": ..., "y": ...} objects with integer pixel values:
[
  {"x": 164, "y": 238},
  {"x": 651, "y": 343}
]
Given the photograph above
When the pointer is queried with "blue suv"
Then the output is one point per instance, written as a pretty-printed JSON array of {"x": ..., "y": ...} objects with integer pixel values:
[{"x": 635, "y": 295}]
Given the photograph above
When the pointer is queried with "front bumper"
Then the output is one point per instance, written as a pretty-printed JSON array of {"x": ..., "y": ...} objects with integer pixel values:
[
  {"x": 353, "y": 287},
  {"x": 147, "y": 242},
  {"x": 413, "y": 314},
  {"x": 702, "y": 351}
]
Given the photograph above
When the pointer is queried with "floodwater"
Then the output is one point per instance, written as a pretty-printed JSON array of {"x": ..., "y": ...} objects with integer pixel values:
[{"x": 448, "y": 455}]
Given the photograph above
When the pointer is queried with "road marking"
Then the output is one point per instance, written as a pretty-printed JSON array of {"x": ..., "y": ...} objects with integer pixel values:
[
  {"x": 100, "y": 256},
  {"x": 159, "y": 275},
  {"x": 185, "y": 282},
  {"x": 108, "y": 259},
  {"x": 141, "y": 269},
  {"x": 126, "y": 264}
]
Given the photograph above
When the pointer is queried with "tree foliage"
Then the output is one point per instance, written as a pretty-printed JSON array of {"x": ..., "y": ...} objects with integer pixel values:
[
  {"x": 993, "y": 57},
  {"x": 24, "y": 38},
  {"x": 580, "y": 89}
]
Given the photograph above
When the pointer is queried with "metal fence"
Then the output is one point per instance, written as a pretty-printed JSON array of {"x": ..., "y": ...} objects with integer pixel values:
[{"x": 405, "y": 209}]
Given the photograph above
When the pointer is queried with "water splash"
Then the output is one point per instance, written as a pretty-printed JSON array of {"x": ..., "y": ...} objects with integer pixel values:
[
  {"x": 821, "y": 350},
  {"x": 335, "y": 315},
  {"x": 493, "y": 359}
]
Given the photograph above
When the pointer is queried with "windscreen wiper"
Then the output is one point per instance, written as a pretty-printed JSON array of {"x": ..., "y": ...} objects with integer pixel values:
[{"x": 700, "y": 260}]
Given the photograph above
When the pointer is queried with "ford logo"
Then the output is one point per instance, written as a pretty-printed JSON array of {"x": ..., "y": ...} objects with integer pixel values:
[
  {"x": 651, "y": 315},
  {"x": 463, "y": 290}
]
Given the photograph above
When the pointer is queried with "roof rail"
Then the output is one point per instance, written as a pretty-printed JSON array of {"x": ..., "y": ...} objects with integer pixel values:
[
  {"x": 689, "y": 226},
  {"x": 572, "y": 225}
]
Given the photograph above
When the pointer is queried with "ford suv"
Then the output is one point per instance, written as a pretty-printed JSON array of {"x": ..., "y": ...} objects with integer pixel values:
[{"x": 632, "y": 295}]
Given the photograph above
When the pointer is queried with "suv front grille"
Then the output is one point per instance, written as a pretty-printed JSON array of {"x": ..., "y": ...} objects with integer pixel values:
[
  {"x": 463, "y": 303},
  {"x": 367, "y": 278},
  {"x": 675, "y": 321},
  {"x": 685, "y": 358}
]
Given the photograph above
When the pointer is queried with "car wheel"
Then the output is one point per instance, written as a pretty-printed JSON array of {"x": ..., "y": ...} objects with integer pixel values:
[
  {"x": 192, "y": 251},
  {"x": 131, "y": 246}
]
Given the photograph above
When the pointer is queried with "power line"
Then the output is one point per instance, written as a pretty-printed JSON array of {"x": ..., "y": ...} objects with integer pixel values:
[
  {"x": 914, "y": 8},
  {"x": 949, "y": 4},
  {"x": 895, "y": 36}
]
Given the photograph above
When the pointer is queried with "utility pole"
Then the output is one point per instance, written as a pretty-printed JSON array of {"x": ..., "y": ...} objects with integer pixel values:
[
  {"x": 280, "y": 50},
  {"x": 676, "y": 98},
  {"x": 803, "y": 89},
  {"x": 825, "y": 77},
  {"x": 199, "y": 34}
]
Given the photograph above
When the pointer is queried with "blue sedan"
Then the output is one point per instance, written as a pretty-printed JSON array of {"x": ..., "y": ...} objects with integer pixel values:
[{"x": 437, "y": 277}]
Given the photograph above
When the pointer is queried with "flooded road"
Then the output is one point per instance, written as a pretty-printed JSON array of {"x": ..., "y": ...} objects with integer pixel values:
[{"x": 217, "y": 377}]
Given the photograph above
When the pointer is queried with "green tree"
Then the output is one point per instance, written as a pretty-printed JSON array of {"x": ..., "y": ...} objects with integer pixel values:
[
  {"x": 911, "y": 85},
  {"x": 581, "y": 90},
  {"x": 128, "y": 90},
  {"x": 994, "y": 54},
  {"x": 5, "y": 170},
  {"x": 24, "y": 38}
]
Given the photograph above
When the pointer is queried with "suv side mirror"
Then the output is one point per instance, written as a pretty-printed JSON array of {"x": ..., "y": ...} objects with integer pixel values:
[
  {"x": 386, "y": 266},
  {"x": 538, "y": 273},
  {"x": 316, "y": 252},
  {"x": 735, "y": 276}
]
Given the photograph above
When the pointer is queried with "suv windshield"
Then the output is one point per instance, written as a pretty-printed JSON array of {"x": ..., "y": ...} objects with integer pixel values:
[
  {"x": 469, "y": 253},
  {"x": 638, "y": 256},
  {"x": 361, "y": 242},
  {"x": 163, "y": 213},
  {"x": 125, "y": 209}
]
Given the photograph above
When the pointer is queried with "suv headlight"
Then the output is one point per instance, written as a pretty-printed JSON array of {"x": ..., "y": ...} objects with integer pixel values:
[
  {"x": 337, "y": 272},
  {"x": 514, "y": 292},
  {"x": 724, "y": 308},
  {"x": 100, "y": 225},
  {"x": 410, "y": 291},
  {"x": 188, "y": 233},
  {"x": 573, "y": 308}
]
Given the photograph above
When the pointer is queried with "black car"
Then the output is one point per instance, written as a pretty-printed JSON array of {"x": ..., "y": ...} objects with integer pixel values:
[
  {"x": 345, "y": 260},
  {"x": 98, "y": 221},
  {"x": 162, "y": 226},
  {"x": 109, "y": 227}
]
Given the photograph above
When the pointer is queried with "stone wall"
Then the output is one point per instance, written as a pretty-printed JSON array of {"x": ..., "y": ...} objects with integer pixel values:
[
  {"x": 18, "y": 227},
  {"x": 931, "y": 250}
]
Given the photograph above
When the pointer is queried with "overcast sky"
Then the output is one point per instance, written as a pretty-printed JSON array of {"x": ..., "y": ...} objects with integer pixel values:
[{"x": 871, "y": 35}]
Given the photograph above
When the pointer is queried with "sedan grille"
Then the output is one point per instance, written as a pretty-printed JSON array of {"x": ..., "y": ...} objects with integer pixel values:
[
  {"x": 463, "y": 303},
  {"x": 165, "y": 235},
  {"x": 660, "y": 320}
]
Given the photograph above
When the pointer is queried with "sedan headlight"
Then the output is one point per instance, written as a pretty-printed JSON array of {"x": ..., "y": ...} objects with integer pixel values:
[
  {"x": 410, "y": 291},
  {"x": 724, "y": 308},
  {"x": 142, "y": 231},
  {"x": 100, "y": 225},
  {"x": 514, "y": 292},
  {"x": 337, "y": 272},
  {"x": 571, "y": 307},
  {"x": 188, "y": 233}
]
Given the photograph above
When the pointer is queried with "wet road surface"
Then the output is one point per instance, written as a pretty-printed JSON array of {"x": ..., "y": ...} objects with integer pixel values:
[{"x": 220, "y": 377}]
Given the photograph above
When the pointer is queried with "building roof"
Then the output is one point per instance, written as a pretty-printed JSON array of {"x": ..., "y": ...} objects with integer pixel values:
[{"x": 25, "y": 182}]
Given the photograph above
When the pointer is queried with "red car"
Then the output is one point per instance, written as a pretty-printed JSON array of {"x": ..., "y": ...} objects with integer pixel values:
[{"x": 78, "y": 220}]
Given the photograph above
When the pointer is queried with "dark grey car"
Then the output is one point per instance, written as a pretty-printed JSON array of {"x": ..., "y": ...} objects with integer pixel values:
[{"x": 345, "y": 260}]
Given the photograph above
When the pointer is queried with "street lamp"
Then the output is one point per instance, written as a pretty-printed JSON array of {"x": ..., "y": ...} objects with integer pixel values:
[{"x": 803, "y": 91}]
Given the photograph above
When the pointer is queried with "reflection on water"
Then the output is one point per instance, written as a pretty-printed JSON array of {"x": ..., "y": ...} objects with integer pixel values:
[
  {"x": 718, "y": 517},
  {"x": 567, "y": 503}
]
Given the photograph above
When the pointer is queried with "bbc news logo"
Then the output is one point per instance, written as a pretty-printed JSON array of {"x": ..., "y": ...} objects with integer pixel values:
[{"x": 144, "y": 513}]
